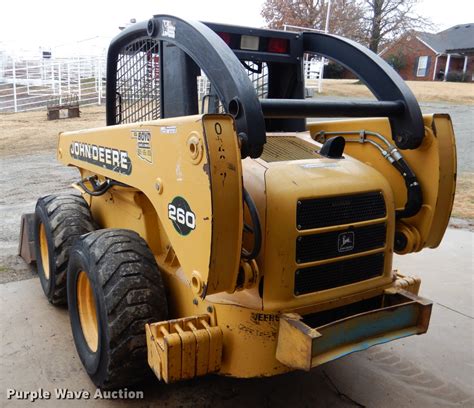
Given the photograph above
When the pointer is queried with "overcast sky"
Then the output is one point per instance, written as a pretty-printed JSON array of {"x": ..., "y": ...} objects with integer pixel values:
[{"x": 30, "y": 24}]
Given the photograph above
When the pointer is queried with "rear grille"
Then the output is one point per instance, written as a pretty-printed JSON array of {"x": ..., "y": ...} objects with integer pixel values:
[
  {"x": 328, "y": 211},
  {"x": 346, "y": 272},
  {"x": 334, "y": 244}
]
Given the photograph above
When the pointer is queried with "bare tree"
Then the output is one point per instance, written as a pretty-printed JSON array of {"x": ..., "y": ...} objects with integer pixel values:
[
  {"x": 347, "y": 19},
  {"x": 346, "y": 15},
  {"x": 304, "y": 13},
  {"x": 371, "y": 22},
  {"x": 387, "y": 19}
]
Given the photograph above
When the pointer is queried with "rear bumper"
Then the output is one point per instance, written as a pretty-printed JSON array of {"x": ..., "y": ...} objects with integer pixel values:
[
  {"x": 242, "y": 342},
  {"x": 306, "y": 342}
]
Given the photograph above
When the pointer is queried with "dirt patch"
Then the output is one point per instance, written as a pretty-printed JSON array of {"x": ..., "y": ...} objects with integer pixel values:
[
  {"x": 425, "y": 91},
  {"x": 13, "y": 268},
  {"x": 26, "y": 132},
  {"x": 24, "y": 178},
  {"x": 30, "y": 170}
]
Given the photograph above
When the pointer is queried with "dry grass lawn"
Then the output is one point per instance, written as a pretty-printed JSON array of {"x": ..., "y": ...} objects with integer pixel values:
[
  {"x": 464, "y": 200},
  {"x": 425, "y": 91}
]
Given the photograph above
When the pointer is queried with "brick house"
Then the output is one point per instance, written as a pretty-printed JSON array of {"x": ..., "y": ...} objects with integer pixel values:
[{"x": 421, "y": 56}]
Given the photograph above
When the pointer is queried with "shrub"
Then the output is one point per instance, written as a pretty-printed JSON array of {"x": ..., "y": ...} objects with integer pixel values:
[
  {"x": 456, "y": 76},
  {"x": 397, "y": 61},
  {"x": 333, "y": 71}
]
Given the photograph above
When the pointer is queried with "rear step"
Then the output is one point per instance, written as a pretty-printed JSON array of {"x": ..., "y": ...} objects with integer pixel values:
[
  {"x": 184, "y": 348},
  {"x": 395, "y": 314}
]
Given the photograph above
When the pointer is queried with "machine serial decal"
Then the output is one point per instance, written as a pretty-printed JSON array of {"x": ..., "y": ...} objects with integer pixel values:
[
  {"x": 181, "y": 215},
  {"x": 169, "y": 130},
  {"x": 144, "y": 150},
  {"x": 168, "y": 29},
  {"x": 346, "y": 241},
  {"x": 106, "y": 157}
]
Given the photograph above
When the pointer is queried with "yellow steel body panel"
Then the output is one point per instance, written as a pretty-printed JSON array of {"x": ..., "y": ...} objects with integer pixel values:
[
  {"x": 434, "y": 164},
  {"x": 196, "y": 159}
]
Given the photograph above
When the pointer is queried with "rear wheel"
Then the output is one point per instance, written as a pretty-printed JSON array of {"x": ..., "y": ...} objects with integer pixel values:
[
  {"x": 59, "y": 220},
  {"x": 114, "y": 289}
]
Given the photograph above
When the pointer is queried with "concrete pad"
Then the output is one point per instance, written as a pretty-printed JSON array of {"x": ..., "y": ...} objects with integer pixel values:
[{"x": 432, "y": 370}]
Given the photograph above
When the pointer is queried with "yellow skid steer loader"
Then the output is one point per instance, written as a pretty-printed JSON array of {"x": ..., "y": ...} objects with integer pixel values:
[{"x": 217, "y": 231}]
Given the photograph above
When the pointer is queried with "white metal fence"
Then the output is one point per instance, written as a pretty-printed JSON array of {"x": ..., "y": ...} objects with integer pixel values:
[{"x": 30, "y": 84}]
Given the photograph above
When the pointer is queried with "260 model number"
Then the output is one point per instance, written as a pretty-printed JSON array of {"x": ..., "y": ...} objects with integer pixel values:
[{"x": 181, "y": 215}]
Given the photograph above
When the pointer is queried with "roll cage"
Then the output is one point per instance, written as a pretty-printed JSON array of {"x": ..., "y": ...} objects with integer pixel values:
[{"x": 153, "y": 66}]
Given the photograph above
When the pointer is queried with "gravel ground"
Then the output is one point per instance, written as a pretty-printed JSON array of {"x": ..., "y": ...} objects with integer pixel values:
[
  {"x": 23, "y": 181},
  {"x": 462, "y": 117}
]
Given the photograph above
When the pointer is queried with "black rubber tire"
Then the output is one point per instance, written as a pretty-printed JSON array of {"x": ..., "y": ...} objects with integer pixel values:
[
  {"x": 65, "y": 218},
  {"x": 128, "y": 293}
]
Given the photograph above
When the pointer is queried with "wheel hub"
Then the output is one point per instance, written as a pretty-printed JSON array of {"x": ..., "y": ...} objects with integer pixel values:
[
  {"x": 87, "y": 311},
  {"x": 44, "y": 250}
]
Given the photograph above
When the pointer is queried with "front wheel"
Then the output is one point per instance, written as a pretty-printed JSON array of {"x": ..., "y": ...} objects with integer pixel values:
[{"x": 114, "y": 289}]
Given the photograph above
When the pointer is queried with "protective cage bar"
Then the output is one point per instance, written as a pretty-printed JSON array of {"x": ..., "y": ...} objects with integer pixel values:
[{"x": 296, "y": 108}]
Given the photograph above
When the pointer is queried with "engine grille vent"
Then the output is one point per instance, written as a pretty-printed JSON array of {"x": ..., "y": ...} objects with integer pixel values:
[
  {"x": 328, "y": 211},
  {"x": 283, "y": 148},
  {"x": 334, "y": 244},
  {"x": 332, "y": 275}
]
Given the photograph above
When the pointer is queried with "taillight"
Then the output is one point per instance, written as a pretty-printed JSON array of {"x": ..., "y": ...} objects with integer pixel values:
[
  {"x": 278, "y": 45},
  {"x": 225, "y": 37}
]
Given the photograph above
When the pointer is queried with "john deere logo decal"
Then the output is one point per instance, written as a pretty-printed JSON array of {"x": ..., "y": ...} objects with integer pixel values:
[
  {"x": 180, "y": 214},
  {"x": 106, "y": 157},
  {"x": 346, "y": 241}
]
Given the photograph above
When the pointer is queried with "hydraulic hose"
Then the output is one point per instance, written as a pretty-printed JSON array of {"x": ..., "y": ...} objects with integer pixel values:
[
  {"x": 98, "y": 189},
  {"x": 256, "y": 228}
]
